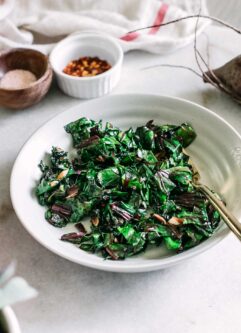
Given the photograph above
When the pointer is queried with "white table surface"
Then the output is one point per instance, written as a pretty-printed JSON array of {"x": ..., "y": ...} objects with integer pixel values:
[{"x": 200, "y": 295}]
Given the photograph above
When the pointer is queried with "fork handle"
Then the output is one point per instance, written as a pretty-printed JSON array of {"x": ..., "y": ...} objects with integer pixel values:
[{"x": 226, "y": 215}]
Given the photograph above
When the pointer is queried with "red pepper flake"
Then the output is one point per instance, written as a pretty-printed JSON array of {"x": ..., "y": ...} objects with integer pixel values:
[{"x": 86, "y": 66}]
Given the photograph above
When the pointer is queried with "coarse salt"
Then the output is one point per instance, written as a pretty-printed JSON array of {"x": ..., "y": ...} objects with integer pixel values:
[{"x": 17, "y": 79}]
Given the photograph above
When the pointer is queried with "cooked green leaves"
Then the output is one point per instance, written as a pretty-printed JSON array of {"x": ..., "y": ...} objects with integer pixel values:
[{"x": 135, "y": 186}]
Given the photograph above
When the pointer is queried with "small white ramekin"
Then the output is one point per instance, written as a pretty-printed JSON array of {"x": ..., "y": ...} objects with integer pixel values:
[{"x": 81, "y": 45}]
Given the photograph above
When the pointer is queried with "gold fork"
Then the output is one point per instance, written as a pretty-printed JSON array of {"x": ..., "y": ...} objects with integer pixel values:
[{"x": 230, "y": 220}]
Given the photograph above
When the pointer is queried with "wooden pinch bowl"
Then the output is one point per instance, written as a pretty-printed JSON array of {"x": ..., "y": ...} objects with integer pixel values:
[{"x": 30, "y": 60}]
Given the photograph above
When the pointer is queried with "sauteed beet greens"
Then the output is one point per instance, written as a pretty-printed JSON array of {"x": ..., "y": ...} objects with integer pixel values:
[{"x": 135, "y": 186}]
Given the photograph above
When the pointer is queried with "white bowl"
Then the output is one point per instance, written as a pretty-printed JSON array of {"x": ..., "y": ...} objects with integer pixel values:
[
  {"x": 81, "y": 45},
  {"x": 218, "y": 161},
  {"x": 9, "y": 320}
]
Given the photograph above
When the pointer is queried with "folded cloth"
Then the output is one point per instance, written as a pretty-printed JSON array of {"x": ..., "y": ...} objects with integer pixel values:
[{"x": 52, "y": 20}]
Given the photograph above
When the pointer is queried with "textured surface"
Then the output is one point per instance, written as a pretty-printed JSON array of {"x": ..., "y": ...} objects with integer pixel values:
[{"x": 201, "y": 295}]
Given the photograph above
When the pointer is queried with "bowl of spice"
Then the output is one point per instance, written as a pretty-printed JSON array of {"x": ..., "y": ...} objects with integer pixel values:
[
  {"x": 87, "y": 65},
  {"x": 25, "y": 77}
]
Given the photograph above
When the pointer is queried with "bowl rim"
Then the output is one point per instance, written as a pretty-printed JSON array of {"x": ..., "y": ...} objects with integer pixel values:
[
  {"x": 151, "y": 266},
  {"x": 33, "y": 84},
  {"x": 80, "y": 36},
  {"x": 11, "y": 320}
]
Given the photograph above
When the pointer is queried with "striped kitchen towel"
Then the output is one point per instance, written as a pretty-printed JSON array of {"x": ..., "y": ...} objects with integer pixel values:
[{"x": 40, "y": 23}]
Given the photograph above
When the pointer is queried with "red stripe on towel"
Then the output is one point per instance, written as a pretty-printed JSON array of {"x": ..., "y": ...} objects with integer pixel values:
[
  {"x": 130, "y": 37},
  {"x": 159, "y": 18}
]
